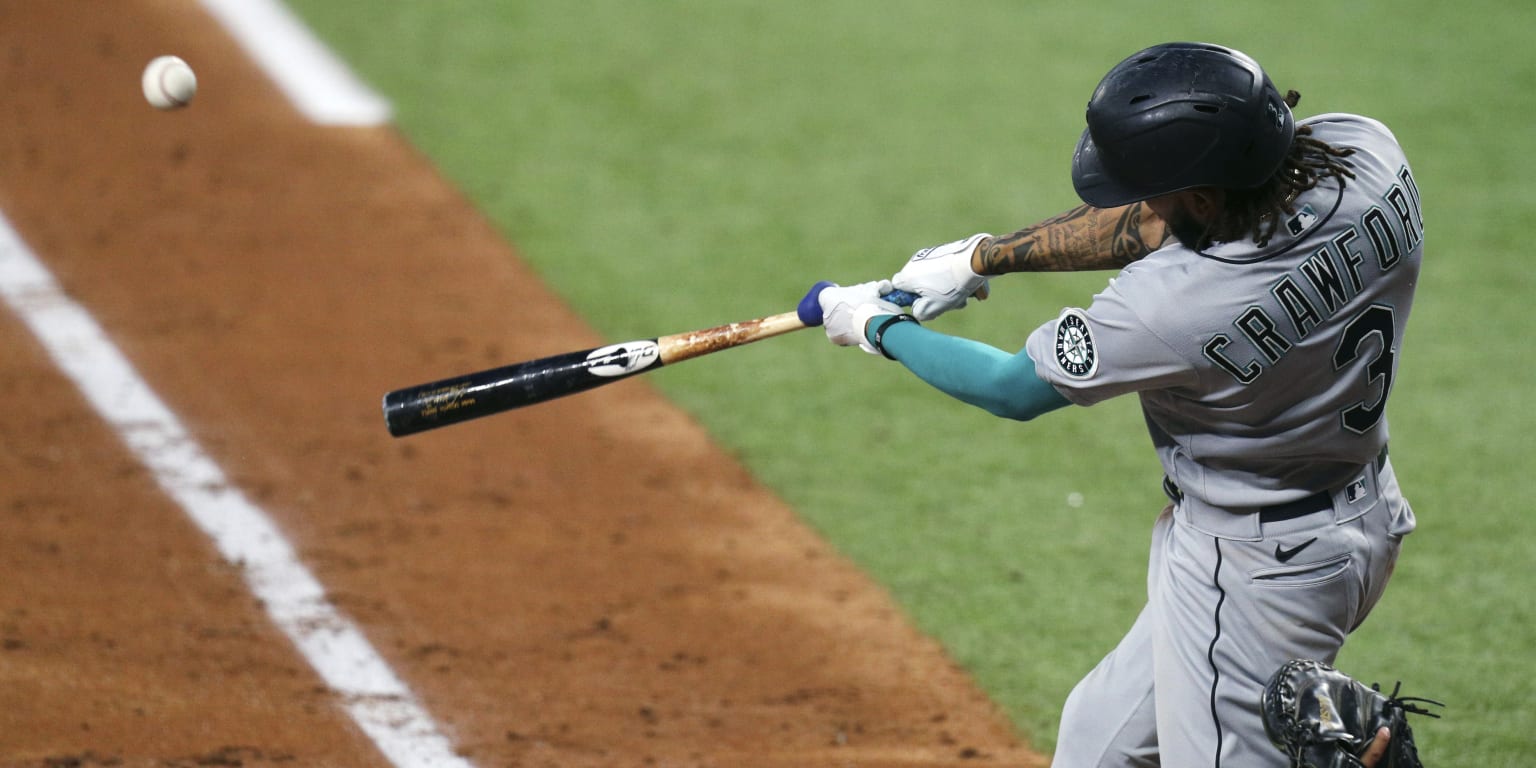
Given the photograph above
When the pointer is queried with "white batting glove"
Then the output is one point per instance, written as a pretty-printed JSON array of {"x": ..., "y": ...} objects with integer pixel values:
[
  {"x": 941, "y": 276},
  {"x": 845, "y": 310}
]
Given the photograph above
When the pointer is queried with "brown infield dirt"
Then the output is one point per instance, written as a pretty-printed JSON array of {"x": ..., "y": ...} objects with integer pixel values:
[{"x": 590, "y": 582}]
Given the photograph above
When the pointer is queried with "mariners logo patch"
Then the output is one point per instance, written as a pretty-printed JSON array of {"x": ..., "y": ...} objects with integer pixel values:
[{"x": 1074, "y": 346}]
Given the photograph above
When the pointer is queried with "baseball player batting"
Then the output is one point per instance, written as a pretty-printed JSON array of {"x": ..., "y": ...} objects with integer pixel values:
[{"x": 1267, "y": 269}]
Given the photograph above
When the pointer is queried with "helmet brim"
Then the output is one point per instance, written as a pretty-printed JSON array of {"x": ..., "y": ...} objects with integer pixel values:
[{"x": 1093, "y": 182}]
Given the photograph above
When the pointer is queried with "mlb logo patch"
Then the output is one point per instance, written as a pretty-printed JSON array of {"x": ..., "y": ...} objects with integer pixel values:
[
  {"x": 1302, "y": 221},
  {"x": 1355, "y": 491}
]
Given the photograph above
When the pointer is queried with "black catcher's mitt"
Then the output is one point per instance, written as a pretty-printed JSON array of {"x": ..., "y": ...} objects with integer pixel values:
[{"x": 1323, "y": 718}]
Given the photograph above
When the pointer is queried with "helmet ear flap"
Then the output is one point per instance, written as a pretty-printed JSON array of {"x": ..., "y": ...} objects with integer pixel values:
[{"x": 1177, "y": 116}]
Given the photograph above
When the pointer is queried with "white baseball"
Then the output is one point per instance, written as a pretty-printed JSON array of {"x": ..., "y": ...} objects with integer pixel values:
[{"x": 169, "y": 83}]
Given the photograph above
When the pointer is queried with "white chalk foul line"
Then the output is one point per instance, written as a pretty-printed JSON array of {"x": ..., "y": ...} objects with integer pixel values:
[
  {"x": 314, "y": 79},
  {"x": 374, "y": 696}
]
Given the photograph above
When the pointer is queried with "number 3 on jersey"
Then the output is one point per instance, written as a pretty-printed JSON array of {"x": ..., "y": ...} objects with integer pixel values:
[{"x": 1375, "y": 320}]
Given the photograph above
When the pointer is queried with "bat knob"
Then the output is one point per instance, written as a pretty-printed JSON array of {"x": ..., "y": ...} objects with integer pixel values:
[{"x": 809, "y": 310}]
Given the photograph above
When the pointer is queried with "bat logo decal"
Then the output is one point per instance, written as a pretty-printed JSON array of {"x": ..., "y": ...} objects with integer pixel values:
[{"x": 622, "y": 359}]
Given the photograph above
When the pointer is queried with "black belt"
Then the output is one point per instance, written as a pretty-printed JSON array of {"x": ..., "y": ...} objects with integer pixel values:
[{"x": 1290, "y": 510}]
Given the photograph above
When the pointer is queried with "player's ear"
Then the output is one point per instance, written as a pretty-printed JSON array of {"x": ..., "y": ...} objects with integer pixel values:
[{"x": 1205, "y": 203}]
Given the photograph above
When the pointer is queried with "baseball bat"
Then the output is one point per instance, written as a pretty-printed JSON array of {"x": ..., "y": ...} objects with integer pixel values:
[{"x": 451, "y": 401}]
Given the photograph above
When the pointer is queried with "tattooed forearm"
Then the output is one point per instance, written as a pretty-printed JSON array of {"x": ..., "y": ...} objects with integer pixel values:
[{"x": 1084, "y": 238}]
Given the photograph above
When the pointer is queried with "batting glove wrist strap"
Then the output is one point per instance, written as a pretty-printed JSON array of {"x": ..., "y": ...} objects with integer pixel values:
[{"x": 878, "y": 337}]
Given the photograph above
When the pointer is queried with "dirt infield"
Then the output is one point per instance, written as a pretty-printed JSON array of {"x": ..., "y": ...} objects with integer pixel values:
[{"x": 586, "y": 583}]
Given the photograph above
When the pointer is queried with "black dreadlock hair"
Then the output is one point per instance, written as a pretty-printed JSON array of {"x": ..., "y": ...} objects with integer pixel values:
[{"x": 1257, "y": 212}]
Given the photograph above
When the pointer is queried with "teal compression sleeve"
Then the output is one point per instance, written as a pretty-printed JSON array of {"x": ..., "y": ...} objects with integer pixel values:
[{"x": 970, "y": 371}]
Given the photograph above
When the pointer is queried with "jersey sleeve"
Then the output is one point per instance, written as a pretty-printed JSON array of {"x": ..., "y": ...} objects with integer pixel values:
[{"x": 1108, "y": 349}]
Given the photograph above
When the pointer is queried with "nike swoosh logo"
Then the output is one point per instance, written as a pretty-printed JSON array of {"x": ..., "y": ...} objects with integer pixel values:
[{"x": 1285, "y": 555}]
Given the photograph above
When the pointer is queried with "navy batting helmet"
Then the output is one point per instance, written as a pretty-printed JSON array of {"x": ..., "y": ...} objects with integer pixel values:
[{"x": 1177, "y": 116}]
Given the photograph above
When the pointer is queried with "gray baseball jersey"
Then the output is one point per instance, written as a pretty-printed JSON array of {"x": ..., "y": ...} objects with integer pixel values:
[{"x": 1263, "y": 374}]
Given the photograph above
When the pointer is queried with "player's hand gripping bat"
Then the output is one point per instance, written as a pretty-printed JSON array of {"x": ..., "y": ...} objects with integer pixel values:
[{"x": 450, "y": 401}]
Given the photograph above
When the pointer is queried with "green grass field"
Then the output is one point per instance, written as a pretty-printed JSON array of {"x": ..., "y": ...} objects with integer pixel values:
[{"x": 670, "y": 164}]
